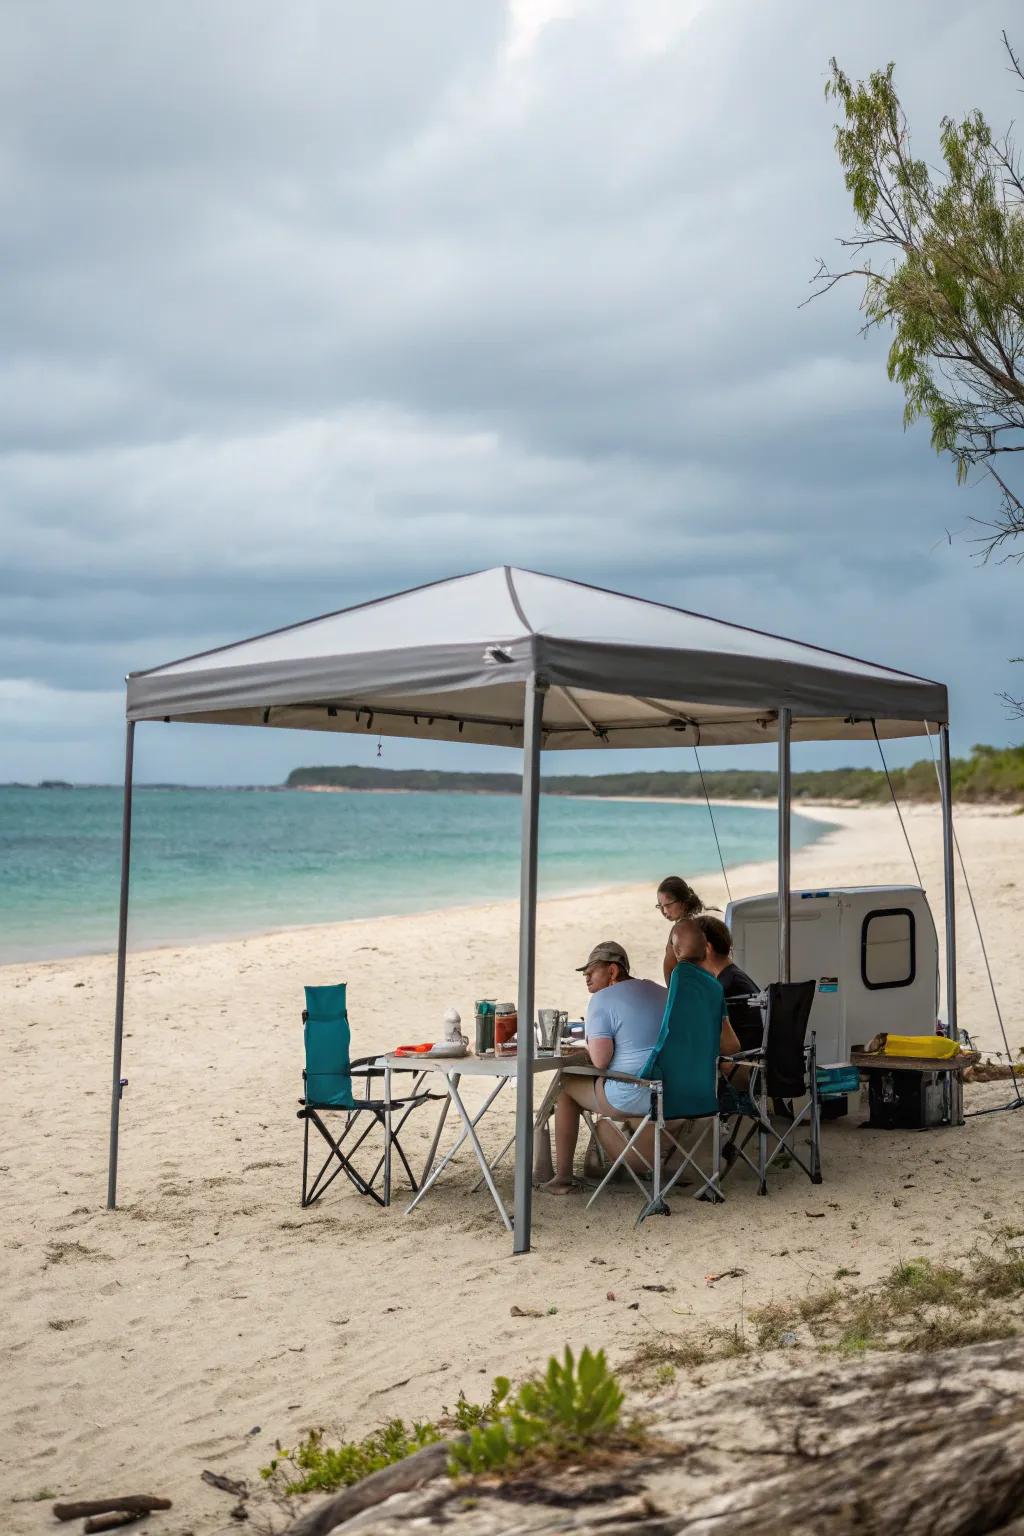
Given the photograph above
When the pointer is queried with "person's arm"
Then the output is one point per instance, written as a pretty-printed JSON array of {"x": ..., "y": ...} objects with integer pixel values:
[
  {"x": 600, "y": 1038},
  {"x": 730, "y": 1041},
  {"x": 669, "y": 962},
  {"x": 601, "y": 1050},
  {"x": 728, "y": 1045}
]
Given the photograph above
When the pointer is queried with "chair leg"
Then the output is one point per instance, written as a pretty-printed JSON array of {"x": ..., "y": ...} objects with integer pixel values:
[
  {"x": 624, "y": 1161},
  {"x": 387, "y": 1135},
  {"x": 657, "y": 1205},
  {"x": 337, "y": 1152},
  {"x": 716, "y": 1157}
]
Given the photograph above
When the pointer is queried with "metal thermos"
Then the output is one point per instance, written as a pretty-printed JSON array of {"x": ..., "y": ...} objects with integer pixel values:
[{"x": 484, "y": 1019}]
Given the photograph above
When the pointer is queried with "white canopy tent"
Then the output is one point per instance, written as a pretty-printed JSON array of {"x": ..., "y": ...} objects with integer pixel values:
[{"x": 510, "y": 657}]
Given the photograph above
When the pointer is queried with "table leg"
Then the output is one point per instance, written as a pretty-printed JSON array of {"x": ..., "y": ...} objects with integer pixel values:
[
  {"x": 442, "y": 1117},
  {"x": 546, "y": 1106},
  {"x": 478, "y": 1149},
  {"x": 452, "y": 1082}
]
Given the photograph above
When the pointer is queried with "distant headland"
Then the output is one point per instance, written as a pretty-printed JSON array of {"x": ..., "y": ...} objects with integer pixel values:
[{"x": 990, "y": 775}]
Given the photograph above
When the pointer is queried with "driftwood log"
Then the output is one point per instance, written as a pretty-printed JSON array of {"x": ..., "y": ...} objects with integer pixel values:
[
  {"x": 226, "y": 1484},
  {"x": 114, "y": 1521},
  {"x": 919, "y": 1445},
  {"x": 416, "y": 1470},
  {"x": 128, "y": 1503}
]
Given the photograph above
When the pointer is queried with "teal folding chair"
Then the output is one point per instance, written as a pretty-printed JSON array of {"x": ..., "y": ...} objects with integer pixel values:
[
  {"x": 682, "y": 1075},
  {"x": 327, "y": 1080}
]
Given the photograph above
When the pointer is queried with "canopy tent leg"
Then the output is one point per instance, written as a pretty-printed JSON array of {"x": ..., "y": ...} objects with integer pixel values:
[
  {"x": 122, "y": 951},
  {"x": 785, "y": 798},
  {"x": 533, "y": 710},
  {"x": 946, "y": 786}
]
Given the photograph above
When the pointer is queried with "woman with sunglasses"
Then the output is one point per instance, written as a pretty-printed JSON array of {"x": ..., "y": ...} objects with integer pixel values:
[{"x": 676, "y": 900}]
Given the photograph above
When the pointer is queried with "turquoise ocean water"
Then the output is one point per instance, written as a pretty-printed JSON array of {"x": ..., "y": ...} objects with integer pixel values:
[{"x": 208, "y": 863}]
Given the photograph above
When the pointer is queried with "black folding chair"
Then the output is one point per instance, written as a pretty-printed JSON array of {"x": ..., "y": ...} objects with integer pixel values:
[
  {"x": 784, "y": 1068},
  {"x": 328, "y": 1090}
]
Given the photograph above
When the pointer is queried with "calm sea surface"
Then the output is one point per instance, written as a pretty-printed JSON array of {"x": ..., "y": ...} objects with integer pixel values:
[{"x": 208, "y": 863}]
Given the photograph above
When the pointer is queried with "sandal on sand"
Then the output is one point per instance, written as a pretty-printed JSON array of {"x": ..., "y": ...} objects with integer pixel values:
[{"x": 555, "y": 1187}]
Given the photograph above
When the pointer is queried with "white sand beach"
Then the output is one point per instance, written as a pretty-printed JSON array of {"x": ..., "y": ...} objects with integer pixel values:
[{"x": 210, "y": 1316}]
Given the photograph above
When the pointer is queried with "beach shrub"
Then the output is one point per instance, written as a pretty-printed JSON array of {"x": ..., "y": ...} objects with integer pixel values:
[
  {"x": 314, "y": 1466},
  {"x": 469, "y": 1415},
  {"x": 659, "y": 1356},
  {"x": 568, "y": 1409},
  {"x": 919, "y": 1282},
  {"x": 953, "y": 1331},
  {"x": 771, "y": 1321},
  {"x": 999, "y": 1275}
]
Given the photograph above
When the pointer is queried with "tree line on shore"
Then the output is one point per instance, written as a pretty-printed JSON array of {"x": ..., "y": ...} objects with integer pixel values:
[{"x": 988, "y": 774}]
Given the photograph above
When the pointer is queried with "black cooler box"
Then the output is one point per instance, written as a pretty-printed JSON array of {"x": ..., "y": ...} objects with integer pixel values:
[{"x": 906, "y": 1100}]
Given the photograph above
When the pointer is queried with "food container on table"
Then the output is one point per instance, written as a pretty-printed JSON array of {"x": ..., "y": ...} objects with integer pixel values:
[
  {"x": 483, "y": 1012},
  {"x": 506, "y": 1029}
]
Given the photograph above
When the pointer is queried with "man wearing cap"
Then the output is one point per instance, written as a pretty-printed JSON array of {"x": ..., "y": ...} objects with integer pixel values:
[{"x": 622, "y": 1026}]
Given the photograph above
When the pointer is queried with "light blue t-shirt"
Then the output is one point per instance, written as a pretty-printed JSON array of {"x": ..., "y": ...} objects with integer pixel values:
[{"x": 630, "y": 1013}]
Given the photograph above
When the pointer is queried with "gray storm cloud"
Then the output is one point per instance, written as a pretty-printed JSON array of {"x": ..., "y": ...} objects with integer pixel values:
[{"x": 303, "y": 305}]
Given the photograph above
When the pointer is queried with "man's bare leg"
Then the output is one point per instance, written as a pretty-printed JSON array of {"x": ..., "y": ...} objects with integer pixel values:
[{"x": 567, "y": 1131}]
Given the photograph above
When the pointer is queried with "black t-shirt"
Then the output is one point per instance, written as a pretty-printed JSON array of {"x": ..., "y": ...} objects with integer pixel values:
[{"x": 744, "y": 1017}]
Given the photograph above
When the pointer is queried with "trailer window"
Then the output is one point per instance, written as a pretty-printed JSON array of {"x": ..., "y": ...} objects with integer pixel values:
[{"x": 888, "y": 946}]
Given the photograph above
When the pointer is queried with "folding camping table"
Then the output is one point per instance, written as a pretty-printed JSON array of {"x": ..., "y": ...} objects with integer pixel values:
[{"x": 452, "y": 1070}]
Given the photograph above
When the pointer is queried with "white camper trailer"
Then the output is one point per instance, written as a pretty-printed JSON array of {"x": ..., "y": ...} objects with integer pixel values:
[{"x": 872, "y": 949}]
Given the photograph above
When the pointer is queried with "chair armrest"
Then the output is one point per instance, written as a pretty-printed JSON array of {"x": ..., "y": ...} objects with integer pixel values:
[
  {"x": 753, "y": 1055},
  {"x": 615, "y": 1077}
]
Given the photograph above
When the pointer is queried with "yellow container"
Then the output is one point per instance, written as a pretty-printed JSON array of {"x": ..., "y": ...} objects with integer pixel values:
[{"x": 931, "y": 1047}]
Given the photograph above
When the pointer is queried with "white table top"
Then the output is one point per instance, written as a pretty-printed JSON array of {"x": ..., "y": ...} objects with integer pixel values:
[{"x": 471, "y": 1066}]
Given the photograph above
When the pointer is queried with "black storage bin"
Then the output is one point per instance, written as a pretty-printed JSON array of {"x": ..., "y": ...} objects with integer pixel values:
[{"x": 909, "y": 1101}]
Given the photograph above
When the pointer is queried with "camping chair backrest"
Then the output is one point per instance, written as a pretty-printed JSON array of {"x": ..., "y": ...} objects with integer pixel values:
[
  {"x": 789, "y": 1008},
  {"x": 328, "y": 1076},
  {"x": 686, "y": 1054}
]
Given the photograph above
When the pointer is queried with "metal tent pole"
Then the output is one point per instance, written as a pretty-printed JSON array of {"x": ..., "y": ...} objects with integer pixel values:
[
  {"x": 533, "y": 710},
  {"x": 122, "y": 951},
  {"x": 785, "y": 796},
  {"x": 946, "y": 786}
]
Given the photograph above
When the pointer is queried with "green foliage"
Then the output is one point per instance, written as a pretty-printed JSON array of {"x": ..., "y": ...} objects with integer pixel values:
[
  {"x": 918, "y": 1283},
  {"x": 315, "y": 1466},
  {"x": 863, "y": 1328},
  {"x": 989, "y": 774},
  {"x": 565, "y": 1411},
  {"x": 949, "y": 1331},
  {"x": 941, "y": 255},
  {"x": 468, "y": 1415},
  {"x": 772, "y": 1321},
  {"x": 999, "y": 1275},
  {"x": 660, "y": 1355}
]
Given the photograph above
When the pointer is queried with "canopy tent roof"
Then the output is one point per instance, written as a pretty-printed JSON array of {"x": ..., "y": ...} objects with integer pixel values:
[{"x": 450, "y": 661}]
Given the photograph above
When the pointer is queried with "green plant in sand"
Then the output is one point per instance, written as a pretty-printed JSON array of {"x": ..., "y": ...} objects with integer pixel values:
[
  {"x": 571, "y": 1407},
  {"x": 314, "y": 1466}
]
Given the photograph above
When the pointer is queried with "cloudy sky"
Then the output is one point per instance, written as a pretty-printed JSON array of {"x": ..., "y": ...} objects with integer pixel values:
[{"x": 303, "y": 304}]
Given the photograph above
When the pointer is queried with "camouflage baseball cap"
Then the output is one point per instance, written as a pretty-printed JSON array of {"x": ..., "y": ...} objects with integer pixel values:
[{"x": 608, "y": 953}]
